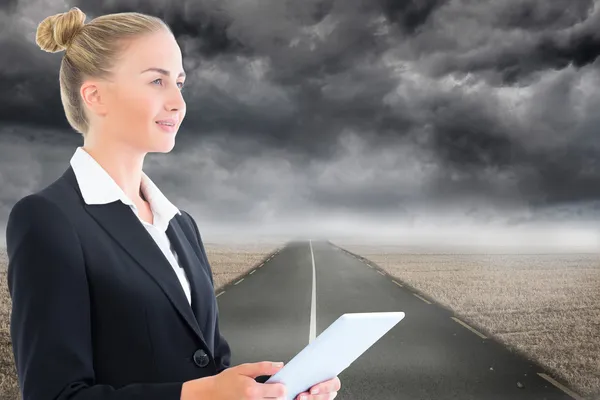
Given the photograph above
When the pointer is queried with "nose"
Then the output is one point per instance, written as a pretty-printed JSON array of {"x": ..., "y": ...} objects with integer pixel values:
[{"x": 175, "y": 101}]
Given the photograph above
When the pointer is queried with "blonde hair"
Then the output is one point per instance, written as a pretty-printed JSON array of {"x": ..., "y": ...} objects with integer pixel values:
[{"x": 91, "y": 50}]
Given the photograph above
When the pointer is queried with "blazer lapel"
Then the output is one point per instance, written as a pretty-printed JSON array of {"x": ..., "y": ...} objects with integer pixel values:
[
  {"x": 189, "y": 261},
  {"x": 122, "y": 224}
]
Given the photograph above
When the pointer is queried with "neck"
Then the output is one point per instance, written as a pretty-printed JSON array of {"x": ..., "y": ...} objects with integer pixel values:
[{"x": 123, "y": 164}]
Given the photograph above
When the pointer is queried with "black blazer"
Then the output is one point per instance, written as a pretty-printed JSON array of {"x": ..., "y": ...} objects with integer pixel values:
[{"x": 97, "y": 310}]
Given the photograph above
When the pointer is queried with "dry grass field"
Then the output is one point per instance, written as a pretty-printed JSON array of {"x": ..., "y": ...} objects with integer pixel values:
[
  {"x": 545, "y": 306},
  {"x": 230, "y": 261},
  {"x": 227, "y": 261},
  {"x": 8, "y": 379}
]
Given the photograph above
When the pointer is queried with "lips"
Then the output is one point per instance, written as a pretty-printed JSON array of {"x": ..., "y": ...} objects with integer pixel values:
[{"x": 167, "y": 122}]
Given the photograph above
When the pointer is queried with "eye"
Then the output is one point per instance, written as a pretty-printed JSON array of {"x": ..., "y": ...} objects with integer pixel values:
[{"x": 178, "y": 83}]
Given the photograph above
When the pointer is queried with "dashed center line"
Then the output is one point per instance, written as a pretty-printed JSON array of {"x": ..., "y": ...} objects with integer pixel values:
[
  {"x": 561, "y": 387},
  {"x": 469, "y": 328},
  {"x": 425, "y": 300}
]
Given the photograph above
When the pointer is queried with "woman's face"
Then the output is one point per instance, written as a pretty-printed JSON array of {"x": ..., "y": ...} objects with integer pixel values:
[{"x": 146, "y": 88}]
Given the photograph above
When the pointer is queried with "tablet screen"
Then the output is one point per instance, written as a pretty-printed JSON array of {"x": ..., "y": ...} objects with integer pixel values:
[{"x": 330, "y": 353}]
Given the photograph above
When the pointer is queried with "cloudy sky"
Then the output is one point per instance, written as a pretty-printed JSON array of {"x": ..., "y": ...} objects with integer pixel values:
[{"x": 472, "y": 121}]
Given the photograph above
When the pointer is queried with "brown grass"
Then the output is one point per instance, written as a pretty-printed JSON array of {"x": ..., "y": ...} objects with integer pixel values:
[
  {"x": 546, "y": 306},
  {"x": 228, "y": 262}
]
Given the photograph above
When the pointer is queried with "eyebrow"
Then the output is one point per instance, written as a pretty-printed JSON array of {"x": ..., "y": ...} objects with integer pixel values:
[{"x": 162, "y": 71}]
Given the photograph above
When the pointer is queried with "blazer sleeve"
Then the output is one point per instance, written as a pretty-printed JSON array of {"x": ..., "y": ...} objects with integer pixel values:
[
  {"x": 50, "y": 321},
  {"x": 222, "y": 349}
]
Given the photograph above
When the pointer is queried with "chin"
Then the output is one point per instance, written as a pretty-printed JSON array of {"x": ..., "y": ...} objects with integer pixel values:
[
  {"x": 163, "y": 142},
  {"x": 166, "y": 148}
]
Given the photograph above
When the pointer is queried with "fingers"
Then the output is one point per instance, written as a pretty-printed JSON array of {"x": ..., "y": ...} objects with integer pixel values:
[
  {"x": 323, "y": 396},
  {"x": 261, "y": 368},
  {"x": 331, "y": 385},
  {"x": 268, "y": 390},
  {"x": 326, "y": 390}
]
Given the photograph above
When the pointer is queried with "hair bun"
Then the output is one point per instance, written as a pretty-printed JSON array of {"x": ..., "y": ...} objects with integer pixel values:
[{"x": 56, "y": 32}]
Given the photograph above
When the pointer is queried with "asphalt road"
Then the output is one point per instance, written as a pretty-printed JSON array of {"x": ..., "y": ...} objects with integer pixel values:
[{"x": 266, "y": 315}]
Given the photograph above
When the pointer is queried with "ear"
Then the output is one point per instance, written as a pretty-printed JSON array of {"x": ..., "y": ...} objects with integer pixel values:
[{"x": 93, "y": 94}]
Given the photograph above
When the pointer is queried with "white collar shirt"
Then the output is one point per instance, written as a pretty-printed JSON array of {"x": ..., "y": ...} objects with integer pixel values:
[{"x": 98, "y": 187}]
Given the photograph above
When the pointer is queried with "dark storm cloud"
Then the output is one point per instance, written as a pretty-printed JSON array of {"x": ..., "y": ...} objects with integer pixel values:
[
  {"x": 28, "y": 77},
  {"x": 509, "y": 42},
  {"x": 533, "y": 16},
  {"x": 481, "y": 111},
  {"x": 202, "y": 21},
  {"x": 410, "y": 14}
]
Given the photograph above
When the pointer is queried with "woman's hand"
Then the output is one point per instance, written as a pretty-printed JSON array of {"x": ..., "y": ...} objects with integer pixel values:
[
  {"x": 235, "y": 383},
  {"x": 326, "y": 390}
]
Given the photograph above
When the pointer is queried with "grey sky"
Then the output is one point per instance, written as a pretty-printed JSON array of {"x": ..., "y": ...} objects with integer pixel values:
[{"x": 351, "y": 116}]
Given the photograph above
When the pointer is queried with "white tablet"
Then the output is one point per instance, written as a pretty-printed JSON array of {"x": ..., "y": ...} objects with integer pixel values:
[{"x": 334, "y": 350}]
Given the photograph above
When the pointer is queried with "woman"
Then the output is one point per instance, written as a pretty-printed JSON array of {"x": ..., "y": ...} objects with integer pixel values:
[{"x": 112, "y": 292}]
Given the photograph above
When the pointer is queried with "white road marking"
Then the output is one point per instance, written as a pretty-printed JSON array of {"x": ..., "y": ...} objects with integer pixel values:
[
  {"x": 425, "y": 300},
  {"x": 221, "y": 293},
  {"x": 313, "y": 302},
  {"x": 469, "y": 328},
  {"x": 399, "y": 284},
  {"x": 239, "y": 281},
  {"x": 381, "y": 273},
  {"x": 561, "y": 387},
  {"x": 253, "y": 271}
]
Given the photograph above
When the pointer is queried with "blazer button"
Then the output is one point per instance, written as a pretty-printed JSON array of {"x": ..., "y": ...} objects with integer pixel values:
[{"x": 201, "y": 358}]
